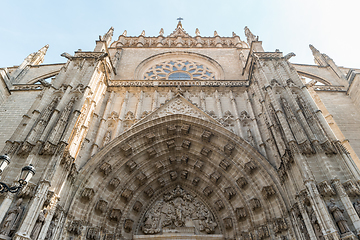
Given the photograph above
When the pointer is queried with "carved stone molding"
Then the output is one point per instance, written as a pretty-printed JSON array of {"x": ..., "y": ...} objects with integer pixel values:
[
  {"x": 228, "y": 149},
  {"x": 219, "y": 205},
  {"x": 115, "y": 214},
  {"x": 215, "y": 177},
  {"x": 151, "y": 152},
  {"x": 172, "y": 159},
  {"x": 207, "y": 191},
  {"x": 225, "y": 164},
  {"x": 185, "y": 128},
  {"x": 230, "y": 192},
  {"x": 126, "y": 149},
  {"x": 280, "y": 225},
  {"x": 128, "y": 225},
  {"x": 149, "y": 191},
  {"x": 170, "y": 83},
  {"x": 173, "y": 175},
  {"x": 127, "y": 194},
  {"x": 195, "y": 181},
  {"x": 228, "y": 223},
  {"x": 150, "y": 137},
  {"x": 184, "y": 159},
  {"x": 326, "y": 189},
  {"x": 246, "y": 236},
  {"x": 199, "y": 165},
  {"x": 101, "y": 206},
  {"x": 114, "y": 183},
  {"x": 241, "y": 213},
  {"x": 268, "y": 191},
  {"x": 88, "y": 193},
  {"x": 27, "y": 191},
  {"x": 250, "y": 167},
  {"x": 263, "y": 232},
  {"x": 93, "y": 233},
  {"x": 105, "y": 168},
  {"x": 137, "y": 206},
  {"x": 242, "y": 182},
  {"x": 141, "y": 178},
  {"x": 255, "y": 204},
  {"x": 131, "y": 165},
  {"x": 171, "y": 144},
  {"x": 161, "y": 181},
  {"x": 171, "y": 129},
  {"x": 184, "y": 174},
  {"x": 186, "y": 144},
  {"x": 206, "y": 135},
  {"x": 205, "y": 151}
]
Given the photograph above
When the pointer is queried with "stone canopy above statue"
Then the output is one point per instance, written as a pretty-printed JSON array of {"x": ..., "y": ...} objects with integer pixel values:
[{"x": 178, "y": 212}]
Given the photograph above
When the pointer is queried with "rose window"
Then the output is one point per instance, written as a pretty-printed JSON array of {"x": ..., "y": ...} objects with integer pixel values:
[{"x": 179, "y": 70}]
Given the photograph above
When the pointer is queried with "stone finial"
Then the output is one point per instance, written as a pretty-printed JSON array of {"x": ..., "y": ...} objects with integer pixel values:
[
  {"x": 161, "y": 33},
  {"x": 108, "y": 36},
  {"x": 216, "y": 34},
  {"x": 234, "y": 34},
  {"x": 142, "y": 33},
  {"x": 124, "y": 33},
  {"x": 250, "y": 36},
  {"x": 197, "y": 32}
]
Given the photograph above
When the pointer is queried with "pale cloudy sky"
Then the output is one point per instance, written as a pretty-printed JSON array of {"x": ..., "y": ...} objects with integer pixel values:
[{"x": 289, "y": 25}]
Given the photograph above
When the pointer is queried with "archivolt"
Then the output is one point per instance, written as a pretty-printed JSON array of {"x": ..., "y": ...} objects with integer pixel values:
[{"x": 145, "y": 156}]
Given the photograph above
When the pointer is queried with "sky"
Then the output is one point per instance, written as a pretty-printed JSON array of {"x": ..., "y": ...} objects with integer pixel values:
[{"x": 288, "y": 25}]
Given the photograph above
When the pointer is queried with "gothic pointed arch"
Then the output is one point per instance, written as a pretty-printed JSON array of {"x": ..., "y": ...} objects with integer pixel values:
[{"x": 229, "y": 187}]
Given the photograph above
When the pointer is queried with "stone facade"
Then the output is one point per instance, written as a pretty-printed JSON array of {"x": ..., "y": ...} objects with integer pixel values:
[{"x": 181, "y": 137}]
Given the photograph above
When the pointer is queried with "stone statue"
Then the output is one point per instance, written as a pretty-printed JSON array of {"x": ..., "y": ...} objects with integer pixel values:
[
  {"x": 357, "y": 206},
  {"x": 50, "y": 230},
  {"x": 12, "y": 219},
  {"x": 250, "y": 37},
  {"x": 38, "y": 225},
  {"x": 197, "y": 32},
  {"x": 338, "y": 216}
]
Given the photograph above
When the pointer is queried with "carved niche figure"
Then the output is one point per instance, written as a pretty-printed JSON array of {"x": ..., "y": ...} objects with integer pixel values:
[
  {"x": 107, "y": 138},
  {"x": 51, "y": 229},
  {"x": 357, "y": 206},
  {"x": 178, "y": 209},
  {"x": 38, "y": 225},
  {"x": 314, "y": 221},
  {"x": 338, "y": 216},
  {"x": 12, "y": 219}
]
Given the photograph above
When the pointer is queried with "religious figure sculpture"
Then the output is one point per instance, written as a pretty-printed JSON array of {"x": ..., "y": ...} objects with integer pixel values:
[
  {"x": 357, "y": 206},
  {"x": 250, "y": 36},
  {"x": 50, "y": 230},
  {"x": 338, "y": 216},
  {"x": 38, "y": 225},
  {"x": 12, "y": 219}
]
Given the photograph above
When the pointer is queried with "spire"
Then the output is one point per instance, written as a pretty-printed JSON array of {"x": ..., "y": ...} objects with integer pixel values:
[
  {"x": 179, "y": 31},
  {"x": 319, "y": 58},
  {"x": 161, "y": 33},
  {"x": 108, "y": 36},
  {"x": 38, "y": 57},
  {"x": 142, "y": 33},
  {"x": 250, "y": 36},
  {"x": 179, "y": 23},
  {"x": 124, "y": 33}
]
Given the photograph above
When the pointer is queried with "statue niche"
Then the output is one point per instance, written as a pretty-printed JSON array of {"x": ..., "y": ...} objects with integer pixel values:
[{"x": 178, "y": 212}]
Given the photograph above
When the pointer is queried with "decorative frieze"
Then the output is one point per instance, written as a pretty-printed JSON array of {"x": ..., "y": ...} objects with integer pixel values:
[
  {"x": 101, "y": 205},
  {"x": 205, "y": 151},
  {"x": 128, "y": 225},
  {"x": 228, "y": 149},
  {"x": 171, "y": 144},
  {"x": 207, "y": 191},
  {"x": 127, "y": 194},
  {"x": 199, "y": 165},
  {"x": 88, "y": 193},
  {"x": 195, "y": 181},
  {"x": 126, "y": 149},
  {"x": 215, "y": 177},
  {"x": 241, "y": 182},
  {"x": 131, "y": 165},
  {"x": 241, "y": 213},
  {"x": 219, "y": 205},
  {"x": 228, "y": 223},
  {"x": 206, "y": 135},
  {"x": 75, "y": 227},
  {"x": 254, "y": 204},
  {"x": 268, "y": 191},
  {"x": 250, "y": 167},
  {"x": 225, "y": 164},
  {"x": 173, "y": 175},
  {"x": 185, "y": 128},
  {"x": 149, "y": 191},
  {"x": 105, "y": 168},
  {"x": 137, "y": 206},
  {"x": 115, "y": 214},
  {"x": 326, "y": 189},
  {"x": 186, "y": 144},
  {"x": 230, "y": 192}
]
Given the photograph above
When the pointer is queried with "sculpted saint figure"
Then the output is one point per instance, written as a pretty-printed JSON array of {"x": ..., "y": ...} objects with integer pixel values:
[
  {"x": 338, "y": 216},
  {"x": 12, "y": 219},
  {"x": 38, "y": 225}
]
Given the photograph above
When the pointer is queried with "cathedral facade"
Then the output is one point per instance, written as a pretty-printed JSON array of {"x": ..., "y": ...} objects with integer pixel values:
[{"x": 180, "y": 137}]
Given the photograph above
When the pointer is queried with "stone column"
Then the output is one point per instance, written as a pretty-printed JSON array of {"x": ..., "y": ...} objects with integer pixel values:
[
  {"x": 218, "y": 104},
  {"x": 139, "y": 105},
  {"x": 236, "y": 112},
  {"x": 119, "y": 128}
]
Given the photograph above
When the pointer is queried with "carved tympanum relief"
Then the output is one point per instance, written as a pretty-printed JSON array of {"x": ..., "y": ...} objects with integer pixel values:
[{"x": 179, "y": 211}]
